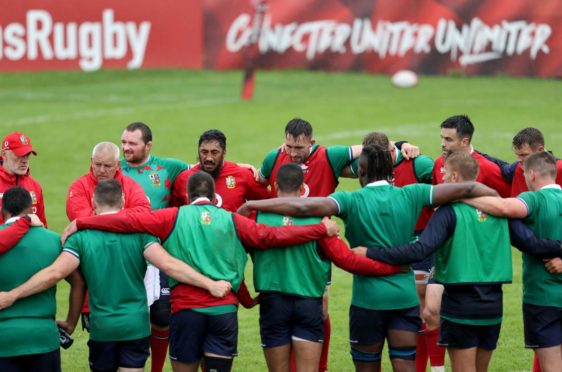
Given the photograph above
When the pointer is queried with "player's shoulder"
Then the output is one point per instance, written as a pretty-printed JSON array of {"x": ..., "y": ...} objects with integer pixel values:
[{"x": 47, "y": 236}]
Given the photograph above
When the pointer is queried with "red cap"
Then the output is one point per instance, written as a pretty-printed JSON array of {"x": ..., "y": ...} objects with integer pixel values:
[{"x": 19, "y": 143}]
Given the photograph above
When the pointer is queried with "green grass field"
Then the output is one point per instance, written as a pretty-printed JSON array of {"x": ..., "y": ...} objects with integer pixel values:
[{"x": 66, "y": 114}]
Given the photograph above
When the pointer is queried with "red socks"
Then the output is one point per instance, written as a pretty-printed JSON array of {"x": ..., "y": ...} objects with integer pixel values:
[
  {"x": 159, "y": 349},
  {"x": 323, "y": 366},
  {"x": 536, "y": 365},
  {"x": 421, "y": 350},
  {"x": 436, "y": 353}
]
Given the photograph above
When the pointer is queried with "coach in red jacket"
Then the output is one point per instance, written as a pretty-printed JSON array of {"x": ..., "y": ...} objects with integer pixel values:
[
  {"x": 14, "y": 171},
  {"x": 104, "y": 165}
]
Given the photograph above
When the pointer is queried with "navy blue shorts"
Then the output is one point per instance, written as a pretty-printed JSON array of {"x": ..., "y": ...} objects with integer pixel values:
[
  {"x": 110, "y": 355},
  {"x": 466, "y": 336},
  {"x": 283, "y": 317},
  {"x": 542, "y": 325},
  {"x": 193, "y": 333},
  {"x": 161, "y": 309},
  {"x": 367, "y": 327},
  {"x": 44, "y": 362}
]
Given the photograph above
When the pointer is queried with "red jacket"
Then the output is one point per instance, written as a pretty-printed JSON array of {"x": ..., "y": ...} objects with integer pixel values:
[
  {"x": 8, "y": 181},
  {"x": 81, "y": 192}
]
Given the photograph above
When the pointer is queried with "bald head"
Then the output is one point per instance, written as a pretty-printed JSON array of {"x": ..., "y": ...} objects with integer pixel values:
[{"x": 105, "y": 160}]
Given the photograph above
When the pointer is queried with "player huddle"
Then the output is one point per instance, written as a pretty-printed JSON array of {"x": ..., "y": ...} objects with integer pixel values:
[{"x": 161, "y": 247}]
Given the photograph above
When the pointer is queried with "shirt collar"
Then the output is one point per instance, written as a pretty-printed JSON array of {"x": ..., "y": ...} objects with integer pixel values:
[
  {"x": 378, "y": 183},
  {"x": 12, "y": 219},
  {"x": 201, "y": 200},
  {"x": 552, "y": 186},
  {"x": 112, "y": 212}
]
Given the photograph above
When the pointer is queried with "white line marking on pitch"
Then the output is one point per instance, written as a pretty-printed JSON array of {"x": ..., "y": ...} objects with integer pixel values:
[{"x": 40, "y": 119}]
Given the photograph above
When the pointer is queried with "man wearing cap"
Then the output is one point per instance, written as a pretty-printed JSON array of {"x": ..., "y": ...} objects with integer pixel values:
[{"x": 14, "y": 171}]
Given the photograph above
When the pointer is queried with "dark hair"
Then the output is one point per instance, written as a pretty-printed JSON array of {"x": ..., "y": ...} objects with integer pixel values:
[
  {"x": 213, "y": 135},
  {"x": 376, "y": 138},
  {"x": 145, "y": 130},
  {"x": 289, "y": 177},
  {"x": 530, "y": 136},
  {"x": 16, "y": 200},
  {"x": 376, "y": 163},
  {"x": 298, "y": 126},
  {"x": 108, "y": 193},
  {"x": 462, "y": 124},
  {"x": 464, "y": 164},
  {"x": 543, "y": 162},
  {"x": 199, "y": 185}
]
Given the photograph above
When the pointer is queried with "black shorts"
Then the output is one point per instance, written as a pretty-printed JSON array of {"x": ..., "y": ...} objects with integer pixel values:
[
  {"x": 284, "y": 317},
  {"x": 466, "y": 336},
  {"x": 110, "y": 355},
  {"x": 44, "y": 362},
  {"x": 542, "y": 325},
  {"x": 367, "y": 327},
  {"x": 193, "y": 333}
]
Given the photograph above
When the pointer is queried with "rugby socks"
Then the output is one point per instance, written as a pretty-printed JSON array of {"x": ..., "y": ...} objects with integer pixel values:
[
  {"x": 436, "y": 352},
  {"x": 421, "y": 350},
  {"x": 159, "y": 349},
  {"x": 323, "y": 366},
  {"x": 536, "y": 365}
]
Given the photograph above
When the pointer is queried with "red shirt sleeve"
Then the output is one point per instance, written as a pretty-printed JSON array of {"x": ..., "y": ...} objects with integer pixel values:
[
  {"x": 179, "y": 190},
  {"x": 11, "y": 235},
  {"x": 339, "y": 253},
  {"x": 254, "y": 189},
  {"x": 244, "y": 296},
  {"x": 78, "y": 201},
  {"x": 259, "y": 236},
  {"x": 158, "y": 223}
]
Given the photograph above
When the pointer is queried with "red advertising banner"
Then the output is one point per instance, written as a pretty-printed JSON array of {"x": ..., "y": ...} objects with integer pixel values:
[
  {"x": 89, "y": 35},
  {"x": 522, "y": 37}
]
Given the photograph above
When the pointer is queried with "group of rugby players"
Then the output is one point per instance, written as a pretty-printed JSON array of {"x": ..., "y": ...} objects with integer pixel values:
[{"x": 156, "y": 241}]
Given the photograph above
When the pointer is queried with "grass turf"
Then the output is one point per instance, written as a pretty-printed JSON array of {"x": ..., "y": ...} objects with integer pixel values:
[{"x": 67, "y": 113}]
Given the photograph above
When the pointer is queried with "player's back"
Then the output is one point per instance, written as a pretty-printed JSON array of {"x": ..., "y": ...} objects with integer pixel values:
[
  {"x": 113, "y": 266},
  {"x": 30, "y": 321},
  {"x": 382, "y": 215},
  {"x": 296, "y": 270}
]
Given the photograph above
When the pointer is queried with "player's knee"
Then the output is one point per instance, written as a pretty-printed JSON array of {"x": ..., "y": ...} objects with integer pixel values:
[
  {"x": 160, "y": 314},
  {"x": 365, "y": 357},
  {"x": 406, "y": 353}
]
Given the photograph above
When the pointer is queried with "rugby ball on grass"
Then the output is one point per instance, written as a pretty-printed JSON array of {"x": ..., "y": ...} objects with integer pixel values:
[{"x": 405, "y": 79}]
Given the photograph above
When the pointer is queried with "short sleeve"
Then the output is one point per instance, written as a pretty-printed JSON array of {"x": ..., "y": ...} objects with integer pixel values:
[
  {"x": 268, "y": 163},
  {"x": 423, "y": 167},
  {"x": 420, "y": 194},
  {"x": 529, "y": 198},
  {"x": 73, "y": 245},
  {"x": 148, "y": 240},
  {"x": 339, "y": 157},
  {"x": 343, "y": 201},
  {"x": 175, "y": 167}
]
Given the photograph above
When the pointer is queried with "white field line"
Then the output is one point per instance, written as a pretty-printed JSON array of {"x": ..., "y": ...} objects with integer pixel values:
[
  {"x": 77, "y": 115},
  {"x": 418, "y": 129}
]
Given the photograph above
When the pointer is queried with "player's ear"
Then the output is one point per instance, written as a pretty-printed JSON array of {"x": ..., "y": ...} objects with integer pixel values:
[
  {"x": 312, "y": 141},
  {"x": 149, "y": 145}
]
